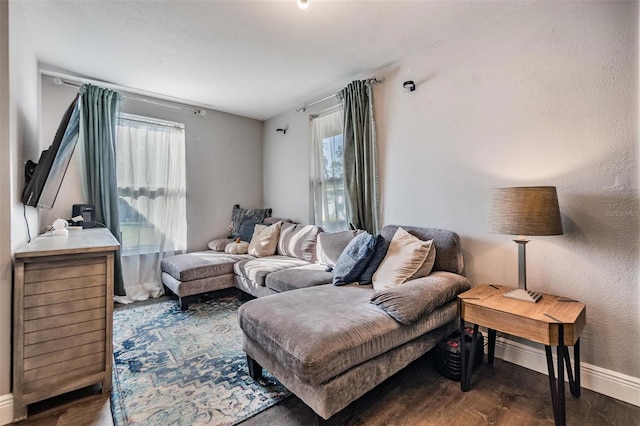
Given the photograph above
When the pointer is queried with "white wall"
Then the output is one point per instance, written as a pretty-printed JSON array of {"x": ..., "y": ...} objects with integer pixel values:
[
  {"x": 18, "y": 136},
  {"x": 223, "y": 155},
  {"x": 286, "y": 163},
  {"x": 545, "y": 95}
]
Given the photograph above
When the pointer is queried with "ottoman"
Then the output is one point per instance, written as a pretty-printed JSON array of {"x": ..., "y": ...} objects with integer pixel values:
[{"x": 195, "y": 273}]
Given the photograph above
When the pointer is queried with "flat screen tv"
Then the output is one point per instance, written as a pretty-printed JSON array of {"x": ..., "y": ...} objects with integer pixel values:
[{"x": 43, "y": 180}]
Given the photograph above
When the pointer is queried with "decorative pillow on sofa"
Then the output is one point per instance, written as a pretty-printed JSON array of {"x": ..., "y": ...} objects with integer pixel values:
[
  {"x": 379, "y": 252},
  {"x": 298, "y": 241},
  {"x": 330, "y": 245},
  {"x": 239, "y": 215},
  {"x": 409, "y": 302},
  {"x": 246, "y": 230},
  {"x": 264, "y": 240},
  {"x": 219, "y": 244},
  {"x": 237, "y": 247},
  {"x": 354, "y": 259},
  {"x": 405, "y": 259}
]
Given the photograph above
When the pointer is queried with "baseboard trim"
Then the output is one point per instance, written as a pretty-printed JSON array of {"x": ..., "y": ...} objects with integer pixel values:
[
  {"x": 607, "y": 382},
  {"x": 6, "y": 409}
]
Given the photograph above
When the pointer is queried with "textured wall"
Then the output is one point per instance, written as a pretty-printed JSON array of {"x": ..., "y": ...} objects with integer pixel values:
[
  {"x": 545, "y": 95},
  {"x": 18, "y": 120}
]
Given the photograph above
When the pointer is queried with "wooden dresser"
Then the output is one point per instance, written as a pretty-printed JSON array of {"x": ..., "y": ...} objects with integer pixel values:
[{"x": 62, "y": 319}]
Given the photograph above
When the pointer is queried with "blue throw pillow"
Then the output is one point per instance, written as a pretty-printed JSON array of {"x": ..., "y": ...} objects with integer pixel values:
[
  {"x": 353, "y": 259},
  {"x": 379, "y": 252},
  {"x": 246, "y": 230}
]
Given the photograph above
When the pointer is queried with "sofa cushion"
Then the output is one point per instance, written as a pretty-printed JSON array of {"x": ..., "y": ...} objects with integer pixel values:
[
  {"x": 447, "y": 243},
  {"x": 354, "y": 259},
  {"x": 405, "y": 258},
  {"x": 265, "y": 240},
  {"x": 239, "y": 215},
  {"x": 379, "y": 252},
  {"x": 298, "y": 277},
  {"x": 319, "y": 332},
  {"x": 331, "y": 244},
  {"x": 298, "y": 241},
  {"x": 197, "y": 265},
  {"x": 257, "y": 269},
  {"x": 409, "y": 302}
]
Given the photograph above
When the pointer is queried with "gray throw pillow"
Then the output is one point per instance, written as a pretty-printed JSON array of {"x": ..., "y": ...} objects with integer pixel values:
[
  {"x": 409, "y": 302},
  {"x": 380, "y": 250},
  {"x": 239, "y": 215},
  {"x": 353, "y": 259}
]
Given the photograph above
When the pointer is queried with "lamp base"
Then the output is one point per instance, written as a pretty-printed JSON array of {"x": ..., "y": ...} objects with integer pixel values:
[{"x": 524, "y": 295}]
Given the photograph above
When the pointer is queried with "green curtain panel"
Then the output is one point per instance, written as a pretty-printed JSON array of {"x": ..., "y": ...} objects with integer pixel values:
[
  {"x": 360, "y": 155},
  {"x": 98, "y": 118}
]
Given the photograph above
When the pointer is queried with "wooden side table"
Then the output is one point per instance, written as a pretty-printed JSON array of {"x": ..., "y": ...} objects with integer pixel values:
[{"x": 552, "y": 321}]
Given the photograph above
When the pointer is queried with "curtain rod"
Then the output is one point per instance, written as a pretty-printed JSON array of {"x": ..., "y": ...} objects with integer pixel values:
[
  {"x": 67, "y": 82},
  {"x": 370, "y": 81}
]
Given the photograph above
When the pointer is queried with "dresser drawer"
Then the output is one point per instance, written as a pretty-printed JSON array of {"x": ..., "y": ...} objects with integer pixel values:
[
  {"x": 65, "y": 331},
  {"x": 63, "y": 296},
  {"x": 64, "y": 319},
  {"x": 64, "y": 343},
  {"x": 67, "y": 354},
  {"x": 53, "y": 374},
  {"x": 63, "y": 308},
  {"x": 52, "y": 271}
]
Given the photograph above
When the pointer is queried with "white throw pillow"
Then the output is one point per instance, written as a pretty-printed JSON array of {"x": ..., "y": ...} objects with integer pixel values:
[
  {"x": 408, "y": 257},
  {"x": 265, "y": 240}
]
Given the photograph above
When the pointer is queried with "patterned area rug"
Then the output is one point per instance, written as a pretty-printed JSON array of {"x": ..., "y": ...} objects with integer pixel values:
[{"x": 184, "y": 368}]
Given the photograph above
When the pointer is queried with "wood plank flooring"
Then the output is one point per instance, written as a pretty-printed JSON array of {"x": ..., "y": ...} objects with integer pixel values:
[{"x": 505, "y": 394}]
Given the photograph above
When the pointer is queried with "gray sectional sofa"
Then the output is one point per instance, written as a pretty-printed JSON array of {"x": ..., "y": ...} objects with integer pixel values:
[{"x": 328, "y": 344}]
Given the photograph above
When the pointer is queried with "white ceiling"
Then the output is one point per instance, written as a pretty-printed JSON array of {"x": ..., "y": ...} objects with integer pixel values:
[{"x": 252, "y": 58}]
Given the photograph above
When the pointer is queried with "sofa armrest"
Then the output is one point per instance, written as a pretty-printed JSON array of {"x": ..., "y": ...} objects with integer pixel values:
[{"x": 408, "y": 302}]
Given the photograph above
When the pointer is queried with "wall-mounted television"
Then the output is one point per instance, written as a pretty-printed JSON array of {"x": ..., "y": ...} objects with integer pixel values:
[{"x": 43, "y": 180}]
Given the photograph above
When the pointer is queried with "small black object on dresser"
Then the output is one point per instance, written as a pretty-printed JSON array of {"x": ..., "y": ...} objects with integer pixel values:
[{"x": 446, "y": 357}]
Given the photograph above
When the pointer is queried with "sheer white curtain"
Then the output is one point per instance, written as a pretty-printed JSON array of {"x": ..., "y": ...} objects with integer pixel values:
[
  {"x": 328, "y": 203},
  {"x": 151, "y": 201}
]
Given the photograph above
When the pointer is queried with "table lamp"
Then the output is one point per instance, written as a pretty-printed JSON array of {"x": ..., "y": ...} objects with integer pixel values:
[{"x": 525, "y": 211}]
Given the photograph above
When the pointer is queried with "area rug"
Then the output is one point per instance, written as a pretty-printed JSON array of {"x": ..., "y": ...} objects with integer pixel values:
[{"x": 184, "y": 368}]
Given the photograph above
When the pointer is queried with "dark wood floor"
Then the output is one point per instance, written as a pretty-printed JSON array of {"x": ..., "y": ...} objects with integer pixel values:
[{"x": 504, "y": 394}]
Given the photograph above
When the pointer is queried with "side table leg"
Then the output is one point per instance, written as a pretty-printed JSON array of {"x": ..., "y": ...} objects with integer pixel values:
[
  {"x": 552, "y": 381},
  {"x": 576, "y": 361},
  {"x": 472, "y": 351},
  {"x": 491, "y": 350},
  {"x": 573, "y": 375},
  {"x": 464, "y": 374},
  {"x": 467, "y": 363},
  {"x": 561, "y": 421}
]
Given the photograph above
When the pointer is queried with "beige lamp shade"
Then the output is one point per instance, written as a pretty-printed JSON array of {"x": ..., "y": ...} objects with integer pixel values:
[{"x": 526, "y": 210}]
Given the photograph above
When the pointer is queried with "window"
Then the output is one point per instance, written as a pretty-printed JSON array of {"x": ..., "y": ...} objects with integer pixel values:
[
  {"x": 151, "y": 199},
  {"x": 328, "y": 202}
]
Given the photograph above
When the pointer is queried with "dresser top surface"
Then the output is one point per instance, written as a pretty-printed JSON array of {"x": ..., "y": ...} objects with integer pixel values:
[{"x": 91, "y": 240}]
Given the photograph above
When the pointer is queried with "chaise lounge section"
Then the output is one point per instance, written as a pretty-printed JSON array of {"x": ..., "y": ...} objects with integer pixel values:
[{"x": 330, "y": 345}]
